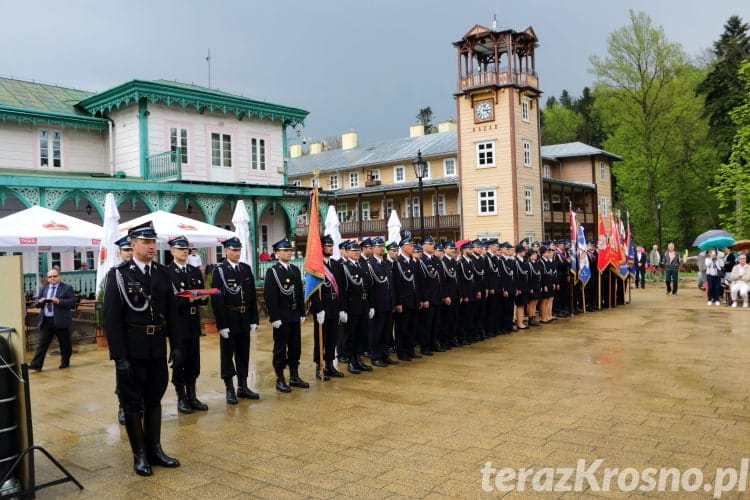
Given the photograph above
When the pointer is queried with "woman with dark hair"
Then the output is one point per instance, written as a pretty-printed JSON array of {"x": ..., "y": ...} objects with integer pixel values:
[
  {"x": 714, "y": 276},
  {"x": 522, "y": 286},
  {"x": 535, "y": 285}
]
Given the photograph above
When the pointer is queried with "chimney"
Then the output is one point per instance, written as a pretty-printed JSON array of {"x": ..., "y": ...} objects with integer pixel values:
[
  {"x": 349, "y": 140},
  {"x": 416, "y": 130},
  {"x": 315, "y": 148},
  {"x": 295, "y": 150},
  {"x": 446, "y": 126}
]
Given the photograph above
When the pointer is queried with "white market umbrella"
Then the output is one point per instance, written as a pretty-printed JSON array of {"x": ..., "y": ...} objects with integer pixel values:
[
  {"x": 241, "y": 221},
  {"x": 332, "y": 225},
  {"x": 108, "y": 252},
  {"x": 168, "y": 225},
  {"x": 394, "y": 227}
]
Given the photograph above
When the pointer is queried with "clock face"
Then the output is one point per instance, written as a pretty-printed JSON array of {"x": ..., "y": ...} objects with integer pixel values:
[{"x": 483, "y": 110}]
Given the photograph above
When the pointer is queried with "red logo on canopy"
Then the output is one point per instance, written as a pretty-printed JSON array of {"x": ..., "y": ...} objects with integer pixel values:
[
  {"x": 55, "y": 226},
  {"x": 27, "y": 241},
  {"x": 182, "y": 225}
]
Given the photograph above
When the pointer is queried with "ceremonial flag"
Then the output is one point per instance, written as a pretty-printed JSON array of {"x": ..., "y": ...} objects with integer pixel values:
[
  {"x": 631, "y": 249},
  {"x": 584, "y": 269},
  {"x": 602, "y": 260},
  {"x": 573, "y": 250},
  {"x": 314, "y": 266},
  {"x": 617, "y": 255}
]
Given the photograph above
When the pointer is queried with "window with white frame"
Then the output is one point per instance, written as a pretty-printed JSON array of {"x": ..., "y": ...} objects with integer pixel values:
[
  {"x": 297, "y": 183},
  {"x": 374, "y": 174},
  {"x": 55, "y": 259},
  {"x": 333, "y": 181},
  {"x": 399, "y": 173},
  {"x": 530, "y": 235},
  {"x": 221, "y": 150},
  {"x": 449, "y": 167},
  {"x": 438, "y": 205},
  {"x": 412, "y": 207},
  {"x": 387, "y": 206},
  {"x": 525, "y": 109},
  {"x": 602, "y": 170},
  {"x": 353, "y": 179},
  {"x": 83, "y": 257},
  {"x": 546, "y": 171},
  {"x": 487, "y": 202},
  {"x": 342, "y": 210},
  {"x": 178, "y": 138},
  {"x": 258, "y": 153},
  {"x": 527, "y": 196},
  {"x": 365, "y": 210},
  {"x": 485, "y": 154},
  {"x": 545, "y": 204},
  {"x": 603, "y": 205},
  {"x": 526, "y": 153},
  {"x": 50, "y": 149},
  {"x": 426, "y": 170}
]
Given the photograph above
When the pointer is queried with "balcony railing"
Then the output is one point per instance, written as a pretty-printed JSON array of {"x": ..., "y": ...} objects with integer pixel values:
[
  {"x": 372, "y": 227},
  {"x": 164, "y": 166},
  {"x": 499, "y": 78},
  {"x": 83, "y": 282}
]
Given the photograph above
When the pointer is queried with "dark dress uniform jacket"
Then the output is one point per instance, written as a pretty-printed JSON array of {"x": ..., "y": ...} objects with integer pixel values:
[
  {"x": 383, "y": 294},
  {"x": 431, "y": 279},
  {"x": 328, "y": 299},
  {"x": 287, "y": 308},
  {"x": 155, "y": 296},
  {"x": 468, "y": 285},
  {"x": 357, "y": 296},
  {"x": 245, "y": 296},
  {"x": 188, "y": 319},
  {"x": 407, "y": 283},
  {"x": 450, "y": 283},
  {"x": 507, "y": 275}
]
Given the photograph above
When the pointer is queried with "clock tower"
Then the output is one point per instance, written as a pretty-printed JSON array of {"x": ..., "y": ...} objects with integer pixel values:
[{"x": 498, "y": 135}]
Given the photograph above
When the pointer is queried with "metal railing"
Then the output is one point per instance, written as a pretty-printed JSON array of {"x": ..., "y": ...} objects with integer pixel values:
[
  {"x": 164, "y": 166},
  {"x": 380, "y": 226},
  {"x": 83, "y": 282},
  {"x": 486, "y": 78}
]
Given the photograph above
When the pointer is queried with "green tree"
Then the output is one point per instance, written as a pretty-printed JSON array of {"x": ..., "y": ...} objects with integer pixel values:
[
  {"x": 722, "y": 88},
  {"x": 590, "y": 131},
  {"x": 424, "y": 117},
  {"x": 733, "y": 178},
  {"x": 635, "y": 97},
  {"x": 565, "y": 100},
  {"x": 560, "y": 125}
]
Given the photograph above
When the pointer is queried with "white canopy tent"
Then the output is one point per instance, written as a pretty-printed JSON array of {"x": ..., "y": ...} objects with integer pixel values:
[{"x": 169, "y": 225}]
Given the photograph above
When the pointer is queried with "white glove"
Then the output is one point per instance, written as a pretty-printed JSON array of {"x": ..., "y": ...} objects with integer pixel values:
[
  {"x": 224, "y": 332},
  {"x": 302, "y": 319},
  {"x": 342, "y": 317},
  {"x": 321, "y": 317},
  {"x": 371, "y": 313},
  {"x": 253, "y": 327},
  {"x": 276, "y": 324}
]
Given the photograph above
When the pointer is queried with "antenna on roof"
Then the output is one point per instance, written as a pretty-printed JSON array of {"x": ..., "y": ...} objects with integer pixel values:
[
  {"x": 494, "y": 22},
  {"x": 208, "y": 60}
]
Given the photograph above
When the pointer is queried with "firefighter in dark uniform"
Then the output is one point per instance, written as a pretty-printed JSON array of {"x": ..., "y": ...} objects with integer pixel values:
[
  {"x": 186, "y": 277},
  {"x": 327, "y": 313},
  {"x": 429, "y": 315},
  {"x": 492, "y": 260},
  {"x": 125, "y": 252},
  {"x": 408, "y": 292},
  {"x": 356, "y": 300},
  {"x": 140, "y": 311},
  {"x": 469, "y": 294},
  {"x": 507, "y": 271},
  {"x": 285, "y": 302},
  {"x": 383, "y": 301},
  {"x": 391, "y": 256},
  {"x": 236, "y": 311},
  {"x": 449, "y": 309},
  {"x": 340, "y": 347},
  {"x": 480, "y": 276},
  {"x": 591, "y": 289}
]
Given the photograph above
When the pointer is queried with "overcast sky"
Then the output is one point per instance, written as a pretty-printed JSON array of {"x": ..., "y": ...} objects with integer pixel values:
[{"x": 364, "y": 65}]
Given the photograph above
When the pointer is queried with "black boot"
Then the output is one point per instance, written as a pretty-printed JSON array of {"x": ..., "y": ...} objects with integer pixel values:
[
  {"x": 294, "y": 379},
  {"x": 231, "y": 395},
  {"x": 353, "y": 368},
  {"x": 183, "y": 405},
  {"x": 152, "y": 428},
  {"x": 195, "y": 403},
  {"x": 321, "y": 375},
  {"x": 134, "y": 427},
  {"x": 281, "y": 384},
  {"x": 243, "y": 391},
  {"x": 331, "y": 370},
  {"x": 362, "y": 367}
]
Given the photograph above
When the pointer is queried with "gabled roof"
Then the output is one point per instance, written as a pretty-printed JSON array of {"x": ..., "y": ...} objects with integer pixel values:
[
  {"x": 184, "y": 95},
  {"x": 33, "y": 102},
  {"x": 393, "y": 151},
  {"x": 571, "y": 149}
]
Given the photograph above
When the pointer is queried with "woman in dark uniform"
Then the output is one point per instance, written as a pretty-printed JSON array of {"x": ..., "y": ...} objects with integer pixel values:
[
  {"x": 535, "y": 285},
  {"x": 522, "y": 286}
]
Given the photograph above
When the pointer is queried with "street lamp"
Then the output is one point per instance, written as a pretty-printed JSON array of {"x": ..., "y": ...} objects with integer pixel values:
[
  {"x": 658, "y": 213},
  {"x": 419, "y": 170}
]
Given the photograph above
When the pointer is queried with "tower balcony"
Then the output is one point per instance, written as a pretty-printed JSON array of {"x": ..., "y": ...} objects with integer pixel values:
[{"x": 482, "y": 79}]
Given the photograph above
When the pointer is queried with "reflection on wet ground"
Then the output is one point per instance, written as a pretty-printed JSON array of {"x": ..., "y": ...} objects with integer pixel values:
[{"x": 661, "y": 382}]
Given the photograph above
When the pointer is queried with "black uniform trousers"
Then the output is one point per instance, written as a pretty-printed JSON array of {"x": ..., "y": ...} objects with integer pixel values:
[
  {"x": 380, "y": 331},
  {"x": 426, "y": 318},
  {"x": 330, "y": 337},
  {"x": 355, "y": 333},
  {"x": 406, "y": 325},
  {"x": 144, "y": 385},
  {"x": 47, "y": 330},
  {"x": 468, "y": 316},
  {"x": 448, "y": 321},
  {"x": 287, "y": 346},
  {"x": 234, "y": 351},
  {"x": 491, "y": 314},
  {"x": 188, "y": 372}
]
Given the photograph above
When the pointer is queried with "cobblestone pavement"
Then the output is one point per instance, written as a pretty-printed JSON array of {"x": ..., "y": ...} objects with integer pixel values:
[{"x": 662, "y": 382}]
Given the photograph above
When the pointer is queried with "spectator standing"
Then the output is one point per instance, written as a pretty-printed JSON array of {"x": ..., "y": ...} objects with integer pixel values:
[
  {"x": 714, "y": 274},
  {"x": 671, "y": 264},
  {"x": 701, "y": 261},
  {"x": 641, "y": 263},
  {"x": 654, "y": 257}
]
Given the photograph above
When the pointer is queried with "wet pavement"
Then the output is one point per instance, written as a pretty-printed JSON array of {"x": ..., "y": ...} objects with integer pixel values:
[{"x": 661, "y": 382}]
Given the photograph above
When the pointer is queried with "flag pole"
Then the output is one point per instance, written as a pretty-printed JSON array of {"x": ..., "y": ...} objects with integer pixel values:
[{"x": 319, "y": 333}]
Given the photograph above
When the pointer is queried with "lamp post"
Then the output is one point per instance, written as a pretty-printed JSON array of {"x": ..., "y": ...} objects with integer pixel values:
[
  {"x": 419, "y": 170},
  {"x": 658, "y": 213}
]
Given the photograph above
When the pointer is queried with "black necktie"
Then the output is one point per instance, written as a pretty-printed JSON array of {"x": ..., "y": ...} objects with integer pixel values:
[{"x": 146, "y": 271}]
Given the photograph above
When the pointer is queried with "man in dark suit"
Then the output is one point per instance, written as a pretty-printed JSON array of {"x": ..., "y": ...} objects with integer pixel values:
[
  {"x": 409, "y": 297},
  {"x": 285, "y": 302},
  {"x": 184, "y": 278},
  {"x": 641, "y": 264},
  {"x": 383, "y": 300},
  {"x": 56, "y": 301},
  {"x": 140, "y": 311},
  {"x": 236, "y": 311}
]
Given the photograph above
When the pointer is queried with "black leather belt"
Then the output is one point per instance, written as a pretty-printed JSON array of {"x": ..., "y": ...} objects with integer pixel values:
[
  {"x": 146, "y": 329},
  {"x": 240, "y": 309}
]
